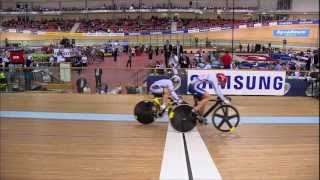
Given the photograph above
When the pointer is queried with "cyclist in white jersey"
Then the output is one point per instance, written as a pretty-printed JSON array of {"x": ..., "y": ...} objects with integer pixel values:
[
  {"x": 202, "y": 97},
  {"x": 164, "y": 88}
]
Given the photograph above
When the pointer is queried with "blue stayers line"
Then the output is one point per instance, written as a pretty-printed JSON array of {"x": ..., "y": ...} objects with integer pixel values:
[
  {"x": 128, "y": 117},
  {"x": 279, "y": 120},
  {"x": 67, "y": 116}
]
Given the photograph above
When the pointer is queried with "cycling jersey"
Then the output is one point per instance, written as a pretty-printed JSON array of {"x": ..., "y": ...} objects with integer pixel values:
[
  {"x": 158, "y": 87},
  {"x": 196, "y": 87}
]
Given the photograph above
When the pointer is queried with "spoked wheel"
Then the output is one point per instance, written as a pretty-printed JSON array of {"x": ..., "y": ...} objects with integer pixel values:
[
  {"x": 146, "y": 112},
  {"x": 182, "y": 119},
  {"x": 226, "y": 118}
]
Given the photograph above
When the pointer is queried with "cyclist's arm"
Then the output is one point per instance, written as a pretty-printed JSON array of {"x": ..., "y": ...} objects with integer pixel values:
[
  {"x": 172, "y": 92},
  {"x": 218, "y": 91}
]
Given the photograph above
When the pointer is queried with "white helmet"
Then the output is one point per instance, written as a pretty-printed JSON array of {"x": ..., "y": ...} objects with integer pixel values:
[{"x": 176, "y": 80}]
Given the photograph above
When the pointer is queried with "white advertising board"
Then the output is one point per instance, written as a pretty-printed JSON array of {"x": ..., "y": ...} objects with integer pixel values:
[{"x": 244, "y": 82}]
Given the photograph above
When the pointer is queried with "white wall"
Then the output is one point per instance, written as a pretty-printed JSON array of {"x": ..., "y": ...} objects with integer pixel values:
[
  {"x": 97, "y": 4},
  {"x": 46, "y": 5},
  {"x": 181, "y": 3},
  {"x": 305, "y": 5},
  {"x": 8, "y": 4},
  {"x": 77, "y": 4},
  {"x": 244, "y": 3},
  {"x": 220, "y": 3},
  {"x": 268, "y": 4}
]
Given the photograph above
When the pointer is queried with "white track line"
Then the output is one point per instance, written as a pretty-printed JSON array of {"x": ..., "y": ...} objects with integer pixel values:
[
  {"x": 202, "y": 164},
  {"x": 174, "y": 166},
  {"x": 174, "y": 162}
]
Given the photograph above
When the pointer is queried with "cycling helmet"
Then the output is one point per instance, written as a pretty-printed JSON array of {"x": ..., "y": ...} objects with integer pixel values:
[
  {"x": 222, "y": 79},
  {"x": 176, "y": 80}
]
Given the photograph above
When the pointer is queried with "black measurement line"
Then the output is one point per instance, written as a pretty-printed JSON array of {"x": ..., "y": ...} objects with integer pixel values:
[{"x": 187, "y": 157}]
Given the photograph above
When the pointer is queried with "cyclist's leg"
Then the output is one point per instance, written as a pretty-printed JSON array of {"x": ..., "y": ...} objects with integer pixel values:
[
  {"x": 165, "y": 98},
  {"x": 201, "y": 105}
]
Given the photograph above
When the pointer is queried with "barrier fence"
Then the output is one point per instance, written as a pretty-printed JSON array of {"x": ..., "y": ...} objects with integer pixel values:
[
  {"x": 187, "y": 42},
  {"x": 137, "y": 80}
]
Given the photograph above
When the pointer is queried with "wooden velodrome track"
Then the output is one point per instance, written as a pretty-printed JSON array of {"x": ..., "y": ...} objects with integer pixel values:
[
  {"x": 261, "y": 34},
  {"x": 40, "y": 149}
]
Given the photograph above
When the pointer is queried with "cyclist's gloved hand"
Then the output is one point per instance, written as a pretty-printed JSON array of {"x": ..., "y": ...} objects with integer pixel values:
[{"x": 178, "y": 101}]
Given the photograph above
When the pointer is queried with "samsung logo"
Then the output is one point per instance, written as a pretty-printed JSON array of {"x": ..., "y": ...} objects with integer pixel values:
[{"x": 249, "y": 82}]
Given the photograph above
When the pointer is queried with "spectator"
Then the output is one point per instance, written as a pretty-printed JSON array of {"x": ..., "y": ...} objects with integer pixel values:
[
  {"x": 129, "y": 62},
  {"x": 184, "y": 61},
  {"x": 297, "y": 73},
  {"x": 167, "y": 52},
  {"x": 159, "y": 68},
  {"x": 248, "y": 48},
  {"x": 308, "y": 63},
  {"x": 84, "y": 60},
  {"x": 178, "y": 49},
  {"x": 278, "y": 67},
  {"x": 226, "y": 60},
  {"x": 28, "y": 73},
  {"x": 86, "y": 90},
  {"x": 81, "y": 84},
  {"x": 98, "y": 75},
  {"x": 103, "y": 89},
  {"x": 173, "y": 69},
  {"x": 51, "y": 60},
  {"x": 207, "y": 65},
  {"x": 117, "y": 90},
  {"x": 284, "y": 43},
  {"x": 60, "y": 57},
  {"x": 150, "y": 52},
  {"x": 157, "y": 51},
  {"x": 173, "y": 60},
  {"x": 115, "y": 54},
  {"x": 240, "y": 47}
]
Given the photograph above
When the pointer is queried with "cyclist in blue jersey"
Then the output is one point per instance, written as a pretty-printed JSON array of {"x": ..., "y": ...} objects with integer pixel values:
[{"x": 202, "y": 97}]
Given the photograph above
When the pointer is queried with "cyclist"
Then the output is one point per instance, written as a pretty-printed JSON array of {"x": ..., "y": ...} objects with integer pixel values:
[
  {"x": 165, "y": 88},
  {"x": 202, "y": 97}
]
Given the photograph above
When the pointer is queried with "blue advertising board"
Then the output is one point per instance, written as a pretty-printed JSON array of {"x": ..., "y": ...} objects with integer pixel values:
[{"x": 291, "y": 32}]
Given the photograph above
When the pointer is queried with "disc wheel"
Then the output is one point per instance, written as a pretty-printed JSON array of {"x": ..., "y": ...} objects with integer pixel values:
[
  {"x": 226, "y": 118},
  {"x": 182, "y": 119},
  {"x": 145, "y": 112}
]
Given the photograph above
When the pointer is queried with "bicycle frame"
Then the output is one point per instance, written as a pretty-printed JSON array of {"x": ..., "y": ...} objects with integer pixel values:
[{"x": 218, "y": 102}]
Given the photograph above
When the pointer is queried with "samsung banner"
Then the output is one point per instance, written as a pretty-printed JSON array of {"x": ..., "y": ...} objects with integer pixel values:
[
  {"x": 244, "y": 82},
  {"x": 291, "y": 32},
  {"x": 64, "y": 52}
]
